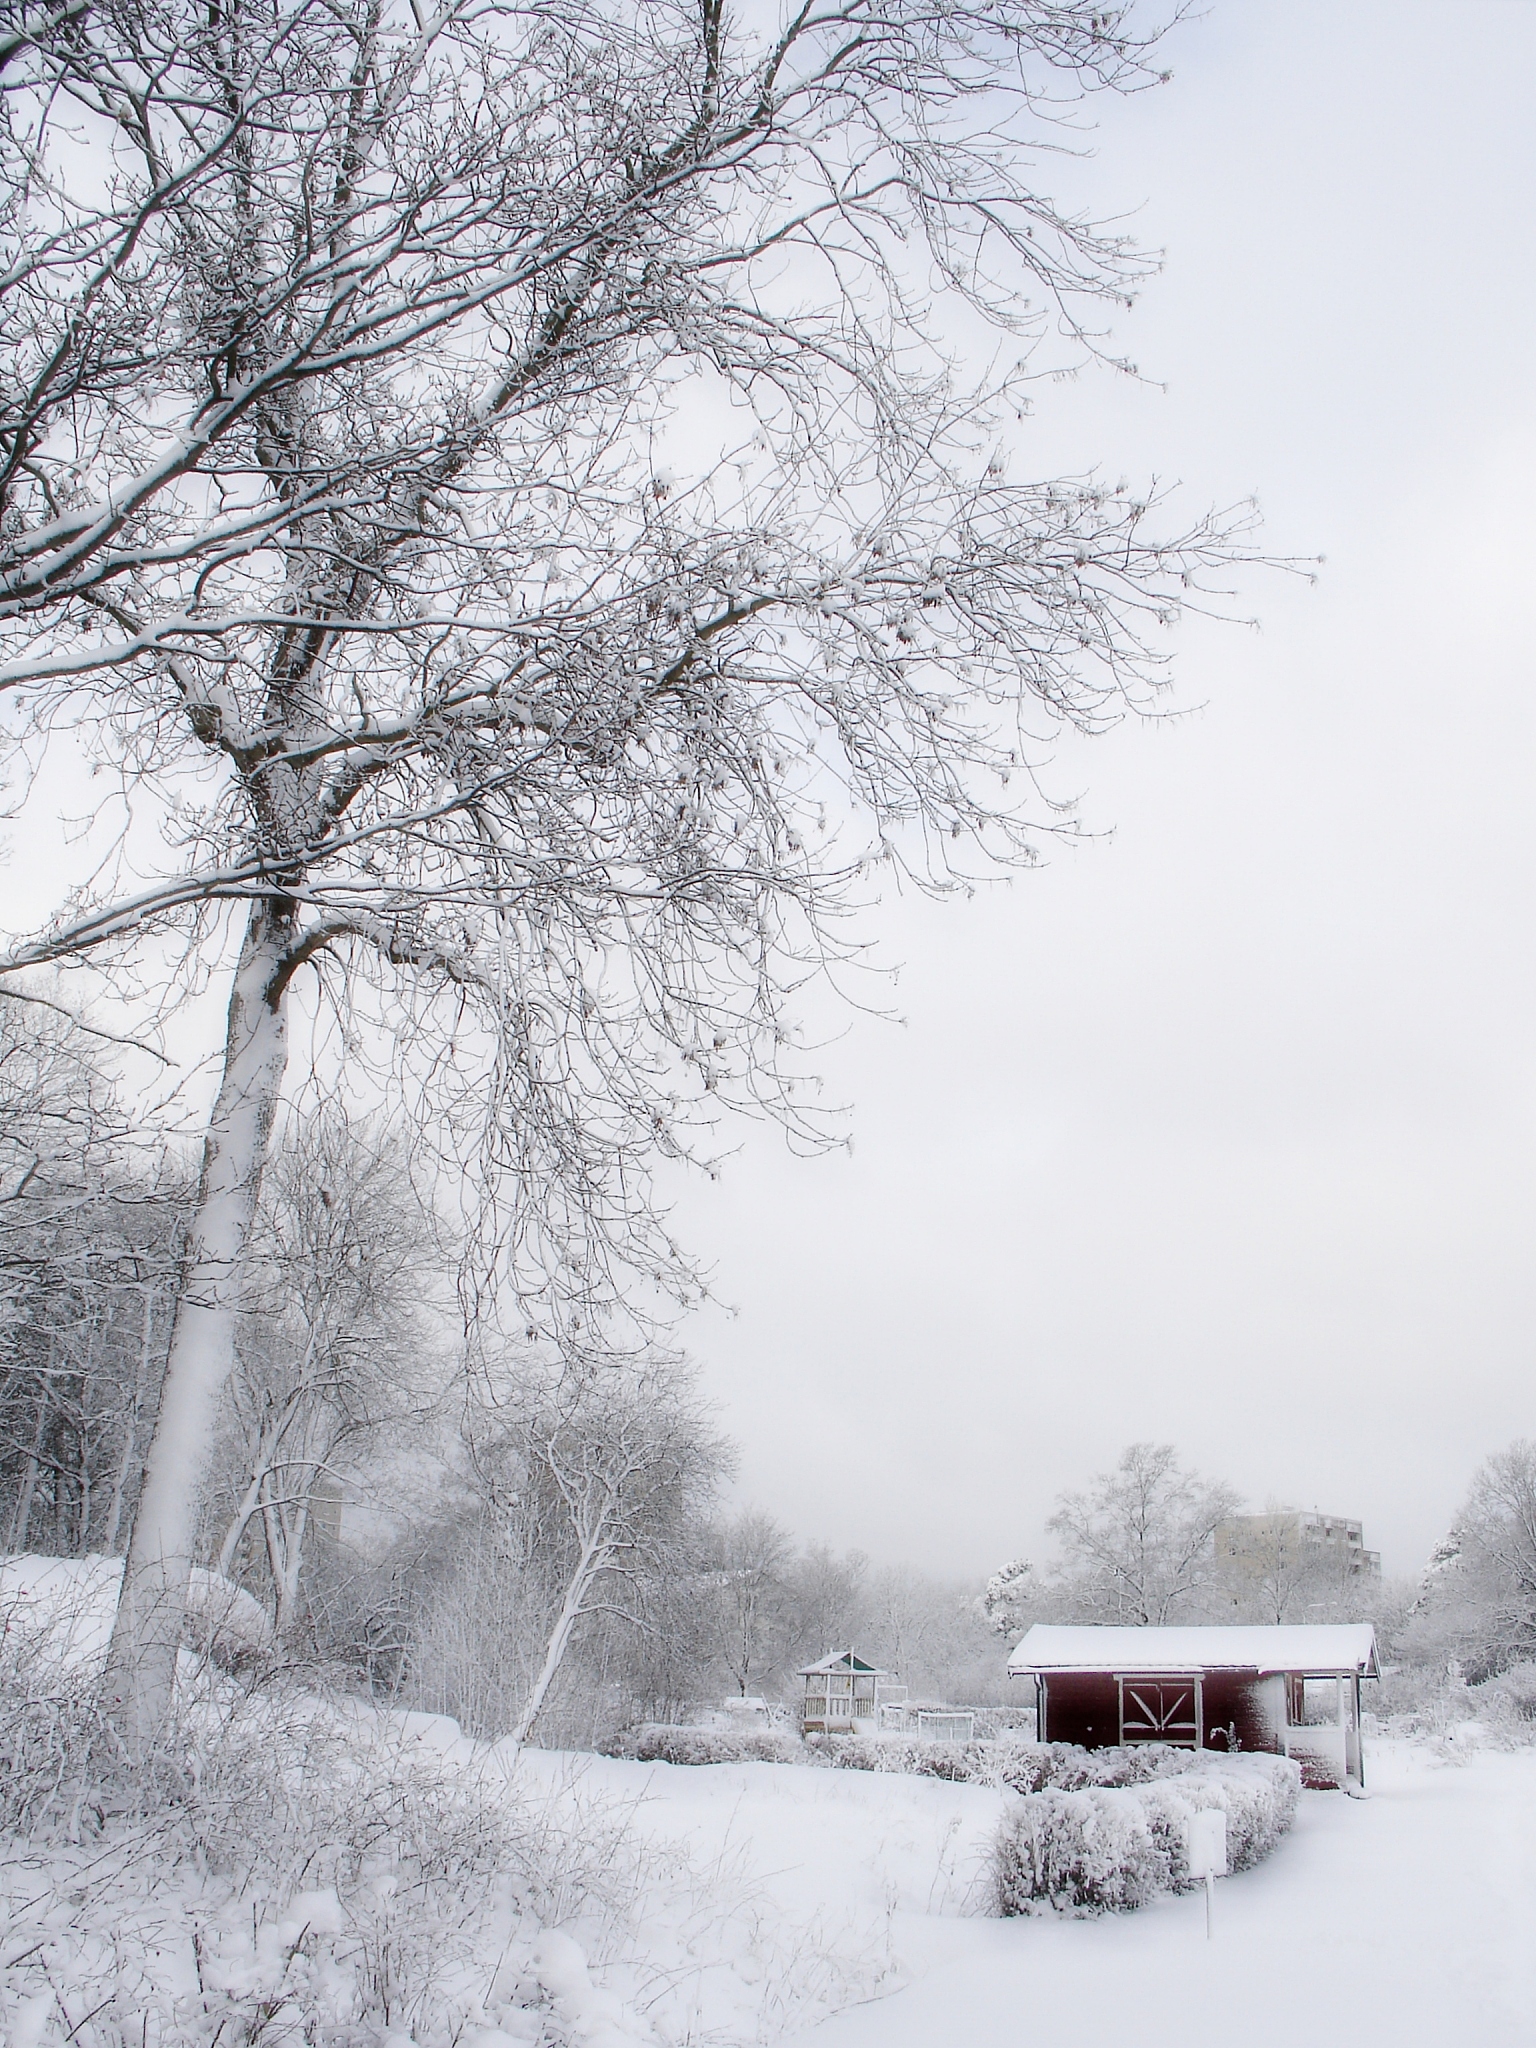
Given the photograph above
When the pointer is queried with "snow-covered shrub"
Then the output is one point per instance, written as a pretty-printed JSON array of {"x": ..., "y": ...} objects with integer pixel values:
[
  {"x": 660, "y": 1742},
  {"x": 1062, "y": 1766},
  {"x": 1441, "y": 1711},
  {"x": 952, "y": 1761},
  {"x": 1018, "y": 1765},
  {"x": 56, "y": 1747},
  {"x": 1514, "y": 1690},
  {"x": 311, "y": 1871},
  {"x": 1090, "y": 1852},
  {"x": 55, "y": 1752},
  {"x": 1110, "y": 1848},
  {"x": 225, "y": 1622}
]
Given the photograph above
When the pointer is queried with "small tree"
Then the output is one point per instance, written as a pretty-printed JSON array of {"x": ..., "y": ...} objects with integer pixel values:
[
  {"x": 341, "y": 346},
  {"x": 594, "y": 1486},
  {"x": 753, "y": 1624},
  {"x": 332, "y": 1348},
  {"x": 1007, "y": 1601},
  {"x": 1137, "y": 1546}
]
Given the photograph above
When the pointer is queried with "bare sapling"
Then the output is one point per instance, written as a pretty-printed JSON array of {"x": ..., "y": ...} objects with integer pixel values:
[{"x": 595, "y": 1483}]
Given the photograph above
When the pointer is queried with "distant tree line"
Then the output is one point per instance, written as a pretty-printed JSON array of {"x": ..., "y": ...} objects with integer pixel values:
[
  {"x": 1152, "y": 1543},
  {"x": 540, "y": 1550}
]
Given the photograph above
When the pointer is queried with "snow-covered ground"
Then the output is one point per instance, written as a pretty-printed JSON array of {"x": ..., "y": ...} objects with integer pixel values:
[
  {"x": 1406, "y": 1918},
  {"x": 778, "y": 1894},
  {"x": 750, "y": 1904}
]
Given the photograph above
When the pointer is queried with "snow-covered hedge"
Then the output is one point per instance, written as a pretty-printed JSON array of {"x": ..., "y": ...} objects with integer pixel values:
[
  {"x": 1018, "y": 1765},
  {"x": 659, "y": 1742},
  {"x": 1111, "y": 1847}
]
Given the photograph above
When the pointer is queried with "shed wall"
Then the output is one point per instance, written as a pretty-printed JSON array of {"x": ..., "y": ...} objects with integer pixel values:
[
  {"x": 1251, "y": 1708},
  {"x": 1083, "y": 1707}
]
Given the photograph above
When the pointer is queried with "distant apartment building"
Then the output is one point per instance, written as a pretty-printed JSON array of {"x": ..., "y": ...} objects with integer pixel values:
[{"x": 1294, "y": 1541}]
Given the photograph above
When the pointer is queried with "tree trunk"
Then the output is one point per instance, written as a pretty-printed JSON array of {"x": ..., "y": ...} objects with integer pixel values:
[
  {"x": 284, "y": 1534},
  {"x": 141, "y": 1668},
  {"x": 587, "y": 1568},
  {"x": 21, "y": 1514}
]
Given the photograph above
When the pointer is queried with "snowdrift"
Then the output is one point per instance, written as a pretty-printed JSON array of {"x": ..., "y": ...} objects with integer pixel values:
[{"x": 56, "y": 1616}]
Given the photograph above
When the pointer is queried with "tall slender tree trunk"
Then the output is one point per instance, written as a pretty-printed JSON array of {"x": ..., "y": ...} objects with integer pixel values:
[
  {"x": 589, "y": 1564},
  {"x": 135, "y": 1415},
  {"x": 141, "y": 1668},
  {"x": 21, "y": 1514}
]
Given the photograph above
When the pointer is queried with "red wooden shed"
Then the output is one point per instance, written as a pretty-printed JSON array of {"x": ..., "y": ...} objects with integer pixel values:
[{"x": 1293, "y": 1690}]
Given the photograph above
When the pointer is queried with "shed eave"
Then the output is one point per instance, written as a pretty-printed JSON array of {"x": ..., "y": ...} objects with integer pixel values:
[{"x": 1307, "y": 1649}]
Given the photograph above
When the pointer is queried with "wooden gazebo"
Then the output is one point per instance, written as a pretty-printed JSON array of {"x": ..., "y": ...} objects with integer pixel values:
[{"x": 842, "y": 1695}]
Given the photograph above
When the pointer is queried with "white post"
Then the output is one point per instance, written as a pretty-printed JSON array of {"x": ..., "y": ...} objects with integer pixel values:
[{"x": 1208, "y": 1855}]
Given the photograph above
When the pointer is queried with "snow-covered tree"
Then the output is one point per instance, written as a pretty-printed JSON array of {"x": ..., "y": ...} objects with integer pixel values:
[
  {"x": 829, "y": 1596},
  {"x": 1008, "y": 1599},
  {"x": 753, "y": 1625},
  {"x": 595, "y": 1485},
  {"x": 1477, "y": 1602},
  {"x": 485, "y": 488},
  {"x": 1137, "y": 1546}
]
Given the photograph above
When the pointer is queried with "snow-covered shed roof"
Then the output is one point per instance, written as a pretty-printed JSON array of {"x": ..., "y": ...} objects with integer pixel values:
[
  {"x": 840, "y": 1660},
  {"x": 1316, "y": 1647}
]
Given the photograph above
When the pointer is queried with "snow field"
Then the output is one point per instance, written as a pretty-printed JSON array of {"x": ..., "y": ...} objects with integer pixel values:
[
  {"x": 377, "y": 1881},
  {"x": 790, "y": 1893},
  {"x": 1405, "y": 1920}
]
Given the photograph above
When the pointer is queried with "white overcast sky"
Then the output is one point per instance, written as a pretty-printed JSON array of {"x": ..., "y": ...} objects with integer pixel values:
[{"x": 1221, "y": 1130}]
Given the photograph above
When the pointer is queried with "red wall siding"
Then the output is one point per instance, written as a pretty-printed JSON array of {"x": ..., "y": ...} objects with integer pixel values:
[
  {"x": 1254, "y": 1707},
  {"x": 1081, "y": 1707}
]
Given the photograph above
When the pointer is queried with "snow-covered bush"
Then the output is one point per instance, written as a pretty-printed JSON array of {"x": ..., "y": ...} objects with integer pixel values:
[
  {"x": 953, "y": 1761},
  {"x": 1106, "y": 1848},
  {"x": 1438, "y": 1709},
  {"x": 1018, "y": 1765},
  {"x": 57, "y": 1614},
  {"x": 294, "y": 1869},
  {"x": 1034, "y": 1767},
  {"x": 659, "y": 1742},
  {"x": 60, "y": 1760},
  {"x": 1091, "y": 1851},
  {"x": 1514, "y": 1690}
]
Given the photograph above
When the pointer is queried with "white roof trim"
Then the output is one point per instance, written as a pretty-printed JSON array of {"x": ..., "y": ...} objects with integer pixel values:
[{"x": 1319, "y": 1648}]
